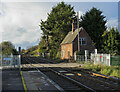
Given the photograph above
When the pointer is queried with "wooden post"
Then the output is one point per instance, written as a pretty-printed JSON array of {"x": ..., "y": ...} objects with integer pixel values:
[
  {"x": 86, "y": 52},
  {"x": 109, "y": 59},
  {"x": 95, "y": 59},
  {"x": 75, "y": 56}
]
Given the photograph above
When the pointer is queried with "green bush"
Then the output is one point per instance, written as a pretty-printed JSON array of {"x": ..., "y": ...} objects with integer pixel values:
[
  {"x": 103, "y": 69},
  {"x": 106, "y": 71},
  {"x": 97, "y": 67},
  {"x": 93, "y": 67},
  {"x": 115, "y": 73}
]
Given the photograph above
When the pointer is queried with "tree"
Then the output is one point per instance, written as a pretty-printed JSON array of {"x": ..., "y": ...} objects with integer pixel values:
[
  {"x": 94, "y": 23},
  {"x": 111, "y": 41},
  {"x": 8, "y": 48},
  {"x": 57, "y": 25},
  {"x": 42, "y": 46}
]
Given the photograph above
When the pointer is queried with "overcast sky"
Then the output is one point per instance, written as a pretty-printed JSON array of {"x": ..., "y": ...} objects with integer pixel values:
[{"x": 19, "y": 22}]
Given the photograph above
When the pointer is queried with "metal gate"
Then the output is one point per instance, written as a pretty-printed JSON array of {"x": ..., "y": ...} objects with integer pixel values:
[{"x": 10, "y": 61}]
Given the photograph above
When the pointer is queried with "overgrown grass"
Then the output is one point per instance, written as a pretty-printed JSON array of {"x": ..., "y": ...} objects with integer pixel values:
[{"x": 103, "y": 69}]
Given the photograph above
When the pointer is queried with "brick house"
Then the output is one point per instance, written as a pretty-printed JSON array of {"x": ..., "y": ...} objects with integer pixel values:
[{"x": 70, "y": 43}]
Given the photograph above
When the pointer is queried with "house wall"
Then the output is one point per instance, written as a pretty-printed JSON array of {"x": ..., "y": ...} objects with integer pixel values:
[
  {"x": 88, "y": 46},
  {"x": 65, "y": 48}
]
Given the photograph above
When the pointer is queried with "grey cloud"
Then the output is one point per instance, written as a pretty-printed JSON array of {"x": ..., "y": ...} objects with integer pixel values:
[
  {"x": 21, "y": 30},
  {"x": 26, "y": 44}
]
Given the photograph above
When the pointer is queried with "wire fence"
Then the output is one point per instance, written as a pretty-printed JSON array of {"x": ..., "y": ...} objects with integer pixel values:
[{"x": 10, "y": 61}]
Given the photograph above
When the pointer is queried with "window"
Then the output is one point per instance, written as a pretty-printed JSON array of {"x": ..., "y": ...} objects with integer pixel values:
[{"x": 82, "y": 41}]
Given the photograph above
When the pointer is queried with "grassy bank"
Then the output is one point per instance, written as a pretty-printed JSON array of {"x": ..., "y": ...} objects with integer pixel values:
[{"x": 103, "y": 69}]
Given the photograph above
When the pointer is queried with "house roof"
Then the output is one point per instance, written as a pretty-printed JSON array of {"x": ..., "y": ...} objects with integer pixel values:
[{"x": 71, "y": 36}]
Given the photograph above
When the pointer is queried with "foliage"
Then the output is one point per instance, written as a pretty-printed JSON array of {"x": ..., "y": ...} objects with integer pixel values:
[
  {"x": 8, "y": 48},
  {"x": 55, "y": 28},
  {"x": 23, "y": 51},
  {"x": 111, "y": 40},
  {"x": 93, "y": 67},
  {"x": 94, "y": 23},
  {"x": 106, "y": 70},
  {"x": 42, "y": 46},
  {"x": 103, "y": 69},
  {"x": 115, "y": 73},
  {"x": 31, "y": 51}
]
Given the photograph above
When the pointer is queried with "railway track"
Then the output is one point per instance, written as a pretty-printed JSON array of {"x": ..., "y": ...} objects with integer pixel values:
[{"x": 74, "y": 77}]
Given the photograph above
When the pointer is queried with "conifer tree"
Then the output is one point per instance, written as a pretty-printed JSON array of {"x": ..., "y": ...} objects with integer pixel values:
[
  {"x": 57, "y": 25},
  {"x": 94, "y": 23},
  {"x": 111, "y": 41}
]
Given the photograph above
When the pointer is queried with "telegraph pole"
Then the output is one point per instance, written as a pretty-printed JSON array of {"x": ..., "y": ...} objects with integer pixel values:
[{"x": 78, "y": 30}]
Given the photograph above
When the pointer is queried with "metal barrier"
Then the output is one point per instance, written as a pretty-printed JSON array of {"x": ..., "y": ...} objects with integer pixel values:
[{"x": 11, "y": 61}]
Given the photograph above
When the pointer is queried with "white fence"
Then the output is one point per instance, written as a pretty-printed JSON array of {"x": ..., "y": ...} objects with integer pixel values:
[
  {"x": 95, "y": 57},
  {"x": 101, "y": 59},
  {"x": 81, "y": 58},
  {"x": 10, "y": 61}
]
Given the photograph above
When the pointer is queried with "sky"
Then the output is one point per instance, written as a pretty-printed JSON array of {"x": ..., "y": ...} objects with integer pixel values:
[{"x": 19, "y": 21}]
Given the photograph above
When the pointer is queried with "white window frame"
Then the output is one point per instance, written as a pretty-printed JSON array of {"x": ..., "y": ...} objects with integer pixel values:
[{"x": 82, "y": 39}]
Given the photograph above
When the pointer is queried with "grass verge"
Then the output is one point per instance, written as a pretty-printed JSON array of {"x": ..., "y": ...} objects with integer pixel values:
[{"x": 113, "y": 71}]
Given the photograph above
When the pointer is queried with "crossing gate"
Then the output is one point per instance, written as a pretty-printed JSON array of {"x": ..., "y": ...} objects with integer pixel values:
[
  {"x": 10, "y": 61},
  {"x": 101, "y": 59}
]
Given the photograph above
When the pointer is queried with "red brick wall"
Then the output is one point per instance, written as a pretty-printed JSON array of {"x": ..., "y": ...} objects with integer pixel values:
[
  {"x": 72, "y": 47},
  {"x": 66, "y": 48},
  {"x": 89, "y": 45}
]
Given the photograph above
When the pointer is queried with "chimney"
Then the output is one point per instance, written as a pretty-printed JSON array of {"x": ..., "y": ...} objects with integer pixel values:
[{"x": 73, "y": 25}]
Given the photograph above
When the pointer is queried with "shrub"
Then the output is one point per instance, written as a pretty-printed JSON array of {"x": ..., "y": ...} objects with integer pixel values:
[
  {"x": 115, "y": 73},
  {"x": 106, "y": 71},
  {"x": 103, "y": 69}
]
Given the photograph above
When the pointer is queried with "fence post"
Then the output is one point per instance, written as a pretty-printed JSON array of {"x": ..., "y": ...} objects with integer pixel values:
[
  {"x": 109, "y": 59},
  {"x": 86, "y": 52},
  {"x": 11, "y": 61},
  {"x": 95, "y": 51},
  {"x": 1, "y": 61},
  {"x": 20, "y": 62},
  {"x": 75, "y": 56},
  {"x": 95, "y": 59},
  {"x": 102, "y": 56}
]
